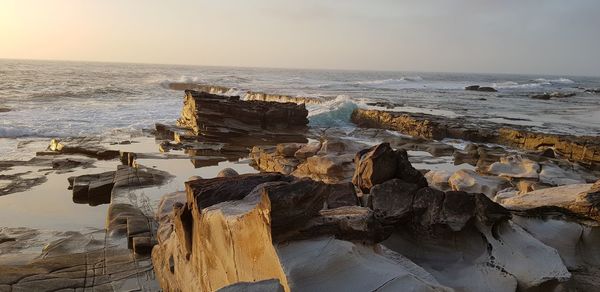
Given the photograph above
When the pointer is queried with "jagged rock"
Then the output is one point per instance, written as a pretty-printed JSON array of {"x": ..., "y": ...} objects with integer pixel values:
[
  {"x": 227, "y": 172},
  {"x": 340, "y": 195},
  {"x": 217, "y": 246},
  {"x": 207, "y": 192},
  {"x": 515, "y": 166},
  {"x": 225, "y": 118},
  {"x": 581, "y": 199},
  {"x": 392, "y": 200},
  {"x": 269, "y": 159},
  {"x": 469, "y": 181},
  {"x": 272, "y": 285},
  {"x": 381, "y": 163},
  {"x": 164, "y": 214},
  {"x": 293, "y": 202},
  {"x": 552, "y": 174},
  {"x": 584, "y": 149},
  {"x": 327, "y": 264}
]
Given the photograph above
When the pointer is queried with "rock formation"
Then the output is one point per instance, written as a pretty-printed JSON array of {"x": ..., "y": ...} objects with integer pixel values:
[
  {"x": 582, "y": 149},
  {"x": 215, "y": 117}
]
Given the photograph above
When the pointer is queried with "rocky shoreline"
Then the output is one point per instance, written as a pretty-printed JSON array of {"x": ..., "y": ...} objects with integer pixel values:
[{"x": 320, "y": 209}]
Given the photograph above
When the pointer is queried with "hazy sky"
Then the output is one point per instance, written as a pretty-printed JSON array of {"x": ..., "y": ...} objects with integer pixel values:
[{"x": 520, "y": 36}]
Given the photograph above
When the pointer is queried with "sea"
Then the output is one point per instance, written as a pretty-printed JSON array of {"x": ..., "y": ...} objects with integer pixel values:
[{"x": 47, "y": 99}]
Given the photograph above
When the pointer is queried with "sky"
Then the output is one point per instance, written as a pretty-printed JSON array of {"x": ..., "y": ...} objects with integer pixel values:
[{"x": 510, "y": 36}]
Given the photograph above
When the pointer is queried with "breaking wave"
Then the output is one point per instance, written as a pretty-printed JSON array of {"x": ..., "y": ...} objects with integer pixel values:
[
  {"x": 332, "y": 113},
  {"x": 535, "y": 83},
  {"x": 391, "y": 81}
]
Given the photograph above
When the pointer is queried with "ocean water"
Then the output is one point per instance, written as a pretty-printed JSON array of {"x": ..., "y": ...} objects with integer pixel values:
[{"x": 57, "y": 99}]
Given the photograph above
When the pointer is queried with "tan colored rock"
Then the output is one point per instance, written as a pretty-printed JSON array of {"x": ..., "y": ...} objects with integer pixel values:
[
  {"x": 230, "y": 243},
  {"x": 581, "y": 199},
  {"x": 469, "y": 181},
  {"x": 515, "y": 166}
]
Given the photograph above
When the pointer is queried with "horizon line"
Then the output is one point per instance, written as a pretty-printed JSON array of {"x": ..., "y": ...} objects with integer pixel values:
[{"x": 297, "y": 68}]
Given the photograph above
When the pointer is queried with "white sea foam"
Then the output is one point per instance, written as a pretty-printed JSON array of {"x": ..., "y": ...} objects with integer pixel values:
[
  {"x": 535, "y": 83},
  {"x": 391, "y": 81},
  {"x": 331, "y": 113}
]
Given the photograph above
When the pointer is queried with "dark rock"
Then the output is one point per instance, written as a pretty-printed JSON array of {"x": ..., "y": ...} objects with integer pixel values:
[
  {"x": 83, "y": 146},
  {"x": 92, "y": 189},
  {"x": 381, "y": 163},
  {"x": 480, "y": 88},
  {"x": 207, "y": 192},
  {"x": 4, "y": 110},
  {"x": 143, "y": 245},
  {"x": 392, "y": 200},
  {"x": 293, "y": 203},
  {"x": 347, "y": 223},
  {"x": 227, "y": 172},
  {"x": 342, "y": 194}
]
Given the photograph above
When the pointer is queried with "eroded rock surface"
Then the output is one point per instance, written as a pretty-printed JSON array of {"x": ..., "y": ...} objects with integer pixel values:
[{"x": 583, "y": 149}]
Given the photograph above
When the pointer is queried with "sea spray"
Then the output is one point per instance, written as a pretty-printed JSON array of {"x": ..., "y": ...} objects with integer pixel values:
[{"x": 332, "y": 113}]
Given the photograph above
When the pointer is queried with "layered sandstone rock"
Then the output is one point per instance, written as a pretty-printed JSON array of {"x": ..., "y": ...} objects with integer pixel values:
[
  {"x": 217, "y": 246},
  {"x": 215, "y": 117},
  {"x": 583, "y": 149}
]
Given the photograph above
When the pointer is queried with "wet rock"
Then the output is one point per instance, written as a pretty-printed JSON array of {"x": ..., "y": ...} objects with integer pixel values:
[
  {"x": 229, "y": 242},
  {"x": 515, "y": 166},
  {"x": 332, "y": 163},
  {"x": 469, "y": 181},
  {"x": 164, "y": 214},
  {"x": 82, "y": 146},
  {"x": 4, "y": 110},
  {"x": 229, "y": 118},
  {"x": 92, "y": 189},
  {"x": 381, "y": 163},
  {"x": 480, "y": 88},
  {"x": 583, "y": 149},
  {"x": 547, "y": 96},
  {"x": 227, "y": 172}
]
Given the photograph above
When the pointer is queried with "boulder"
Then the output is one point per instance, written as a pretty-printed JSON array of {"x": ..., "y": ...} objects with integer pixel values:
[
  {"x": 469, "y": 181},
  {"x": 381, "y": 163},
  {"x": 515, "y": 166},
  {"x": 439, "y": 179},
  {"x": 480, "y": 88},
  {"x": 227, "y": 172}
]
